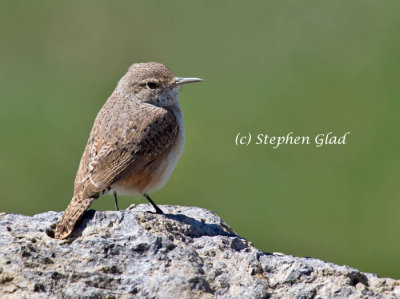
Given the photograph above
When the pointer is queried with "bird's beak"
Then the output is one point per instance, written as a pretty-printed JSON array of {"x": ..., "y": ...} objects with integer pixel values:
[{"x": 180, "y": 81}]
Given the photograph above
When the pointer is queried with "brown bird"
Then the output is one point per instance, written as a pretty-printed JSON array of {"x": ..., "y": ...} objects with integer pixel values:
[{"x": 135, "y": 143}]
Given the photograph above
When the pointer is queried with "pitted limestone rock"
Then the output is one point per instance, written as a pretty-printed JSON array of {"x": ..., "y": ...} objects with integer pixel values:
[{"x": 187, "y": 253}]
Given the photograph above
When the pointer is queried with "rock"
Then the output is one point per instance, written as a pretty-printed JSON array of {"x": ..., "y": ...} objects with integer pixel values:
[{"x": 187, "y": 253}]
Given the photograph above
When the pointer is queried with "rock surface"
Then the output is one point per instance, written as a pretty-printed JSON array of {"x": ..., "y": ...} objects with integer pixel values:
[{"x": 187, "y": 253}]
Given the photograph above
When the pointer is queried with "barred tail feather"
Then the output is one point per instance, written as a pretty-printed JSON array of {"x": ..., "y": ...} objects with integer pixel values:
[{"x": 72, "y": 214}]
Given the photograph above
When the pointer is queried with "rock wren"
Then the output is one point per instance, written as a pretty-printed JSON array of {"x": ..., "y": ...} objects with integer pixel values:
[{"x": 135, "y": 143}]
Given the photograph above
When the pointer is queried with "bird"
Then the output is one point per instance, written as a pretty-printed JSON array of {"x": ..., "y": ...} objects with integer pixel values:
[{"x": 135, "y": 143}]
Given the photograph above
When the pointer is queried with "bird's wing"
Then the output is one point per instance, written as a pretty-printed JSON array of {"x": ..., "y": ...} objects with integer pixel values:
[{"x": 111, "y": 149}]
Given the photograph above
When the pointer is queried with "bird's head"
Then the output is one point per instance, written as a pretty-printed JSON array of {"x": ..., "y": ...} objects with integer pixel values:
[{"x": 153, "y": 83}]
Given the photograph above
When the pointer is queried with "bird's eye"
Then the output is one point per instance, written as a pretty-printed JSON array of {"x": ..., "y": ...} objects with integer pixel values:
[{"x": 151, "y": 85}]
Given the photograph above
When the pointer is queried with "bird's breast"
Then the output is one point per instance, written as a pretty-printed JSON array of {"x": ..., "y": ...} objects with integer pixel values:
[{"x": 154, "y": 174}]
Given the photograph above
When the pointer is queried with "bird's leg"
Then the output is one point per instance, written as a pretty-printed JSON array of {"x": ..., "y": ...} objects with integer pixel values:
[
  {"x": 158, "y": 210},
  {"x": 116, "y": 200}
]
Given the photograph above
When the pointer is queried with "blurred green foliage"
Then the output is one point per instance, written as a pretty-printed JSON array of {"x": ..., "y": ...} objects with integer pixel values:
[{"x": 268, "y": 67}]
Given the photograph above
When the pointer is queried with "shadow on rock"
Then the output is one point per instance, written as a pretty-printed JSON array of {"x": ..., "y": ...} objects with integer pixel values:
[{"x": 201, "y": 228}]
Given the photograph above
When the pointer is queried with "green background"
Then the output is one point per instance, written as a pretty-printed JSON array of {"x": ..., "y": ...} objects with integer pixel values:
[{"x": 268, "y": 67}]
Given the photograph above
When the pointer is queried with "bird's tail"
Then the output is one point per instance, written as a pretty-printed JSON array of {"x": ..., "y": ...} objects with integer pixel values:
[{"x": 74, "y": 211}]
